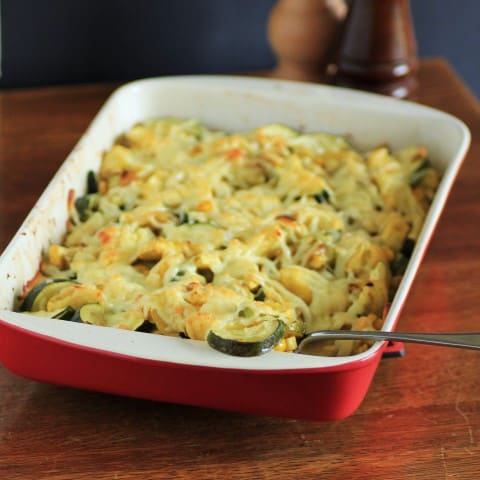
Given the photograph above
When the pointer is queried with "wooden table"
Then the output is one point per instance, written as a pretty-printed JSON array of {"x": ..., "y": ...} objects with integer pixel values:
[{"x": 420, "y": 419}]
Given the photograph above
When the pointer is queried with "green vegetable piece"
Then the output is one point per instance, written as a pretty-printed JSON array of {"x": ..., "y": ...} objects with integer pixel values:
[
  {"x": 322, "y": 197},
  {"x": 65, "y": 314},
  {"x": 399, "y": 264},
  {"x": 183, "y": 218},
  {"x": 259, "y": 294},
  {"x": 178, "y": 275},
  {"x": 419, "y": 173},
  {"x": 82, "y": 204},
  {"x": 407, "y": 247},
  {"x": 297, "y": 328},
  {"x": 37, "y": 298},
  {"x": 246, "y": 312},
  {"x": 247, "y": 341},
  {"x": 91, "y": 313},
  {"x": 146, "y": 326},
  {"x": 92, "y": 184}
]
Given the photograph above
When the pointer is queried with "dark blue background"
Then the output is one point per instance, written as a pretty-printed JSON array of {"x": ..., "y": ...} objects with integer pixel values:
[{"x": 64, "y": 41}]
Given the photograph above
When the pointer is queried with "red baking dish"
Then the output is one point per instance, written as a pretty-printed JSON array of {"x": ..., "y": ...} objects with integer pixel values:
[
  {"x": 324, "y": 393},
  {"x": 187, "y": 371}
]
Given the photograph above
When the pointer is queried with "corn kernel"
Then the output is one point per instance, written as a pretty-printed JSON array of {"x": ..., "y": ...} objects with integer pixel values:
[
  {"x": 281, "y": 346},
  {"x": 291, "y": 344},
  {"x": 204, "y": 206},
  {"x": 56, "y": 255}
]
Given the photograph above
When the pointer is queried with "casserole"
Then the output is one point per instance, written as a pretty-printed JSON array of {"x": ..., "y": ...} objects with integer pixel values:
[{"x": 169, "y": 369}]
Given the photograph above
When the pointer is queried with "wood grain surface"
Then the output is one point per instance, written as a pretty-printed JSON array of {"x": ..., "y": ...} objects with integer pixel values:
[{"x": 421, "y": 416}]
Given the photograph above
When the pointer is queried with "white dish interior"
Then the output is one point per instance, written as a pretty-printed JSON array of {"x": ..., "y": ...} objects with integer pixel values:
[{"x": 228, "y": 103}]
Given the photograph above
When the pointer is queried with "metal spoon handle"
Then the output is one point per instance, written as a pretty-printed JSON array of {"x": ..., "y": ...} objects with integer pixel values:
[{"x": 461, "y": 340}]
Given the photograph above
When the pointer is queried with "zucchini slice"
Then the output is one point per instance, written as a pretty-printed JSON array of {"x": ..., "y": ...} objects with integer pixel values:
[
  {"x": 37, "y": 298},
  {"x": 247, "y": 340},
  {"x": 92, "y": 313},
  {"x": 65, "y": 314}
]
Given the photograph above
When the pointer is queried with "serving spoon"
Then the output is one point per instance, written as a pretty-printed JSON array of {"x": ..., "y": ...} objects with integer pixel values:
[{"x": 460, "y": 340}]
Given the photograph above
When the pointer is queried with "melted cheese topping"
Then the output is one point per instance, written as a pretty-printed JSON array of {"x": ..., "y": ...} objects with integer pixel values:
[{"x": 193, "y": 227}]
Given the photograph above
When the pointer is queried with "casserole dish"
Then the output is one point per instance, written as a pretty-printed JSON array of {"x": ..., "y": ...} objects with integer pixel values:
[{"x": 168, "y": 369}]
